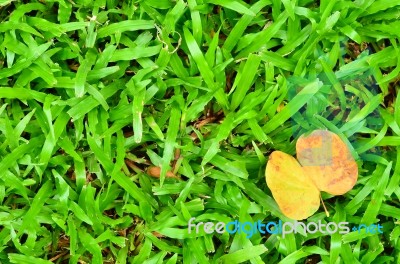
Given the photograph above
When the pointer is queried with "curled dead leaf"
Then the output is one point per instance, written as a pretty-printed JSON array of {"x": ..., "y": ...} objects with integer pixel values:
[{"x": 155, "y": 171}]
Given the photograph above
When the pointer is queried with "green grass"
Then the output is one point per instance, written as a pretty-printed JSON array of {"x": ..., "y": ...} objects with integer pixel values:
[{"x": 93, "y": 93}]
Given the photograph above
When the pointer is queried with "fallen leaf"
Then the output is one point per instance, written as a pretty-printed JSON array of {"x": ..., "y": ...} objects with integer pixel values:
[
  {"x": 154, "y": 171},
  {"x": 295, "y": 193},
  {"x": 327, "y": 160},
  {"x": 324, "y": 164}
]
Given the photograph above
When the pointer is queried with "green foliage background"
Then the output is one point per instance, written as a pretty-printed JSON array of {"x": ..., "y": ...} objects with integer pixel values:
[{"x": 92, "y": 93}]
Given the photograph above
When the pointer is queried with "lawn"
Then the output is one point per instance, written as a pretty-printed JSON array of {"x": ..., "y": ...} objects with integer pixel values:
[{"x": 124, "y": 122}]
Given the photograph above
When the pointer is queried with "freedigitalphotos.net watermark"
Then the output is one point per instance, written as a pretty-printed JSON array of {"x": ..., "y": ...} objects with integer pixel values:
[{"x": 280, "y": 228}]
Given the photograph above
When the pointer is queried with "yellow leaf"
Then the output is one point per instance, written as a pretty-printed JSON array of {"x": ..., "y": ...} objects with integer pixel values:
[
  {"x": 325, "y": 164},
  {"x": 294, "y": 192}
]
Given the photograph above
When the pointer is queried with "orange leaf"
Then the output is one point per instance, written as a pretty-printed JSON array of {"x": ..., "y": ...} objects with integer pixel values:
[{"x": 327, "y": 161}]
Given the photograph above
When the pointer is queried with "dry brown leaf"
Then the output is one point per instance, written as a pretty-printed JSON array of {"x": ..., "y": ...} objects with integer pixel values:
[{"x": 155, "y": 171}]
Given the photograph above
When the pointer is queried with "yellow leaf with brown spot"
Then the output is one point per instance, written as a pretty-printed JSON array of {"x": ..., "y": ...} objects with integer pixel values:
[
  {"x": 294, "y": 192},
  {"x": 324, "y": 164},
  {"x": 327, "y": 160}
]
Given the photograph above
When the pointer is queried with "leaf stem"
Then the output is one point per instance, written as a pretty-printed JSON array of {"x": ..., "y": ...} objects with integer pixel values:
[{"x": 323, "y": 204}]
